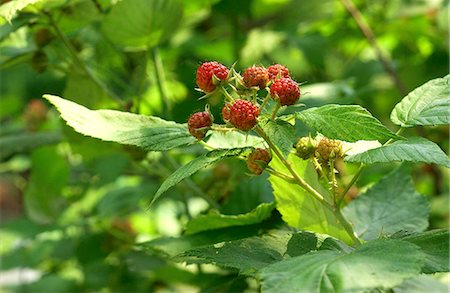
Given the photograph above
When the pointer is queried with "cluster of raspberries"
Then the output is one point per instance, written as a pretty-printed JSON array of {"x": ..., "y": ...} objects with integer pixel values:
[
  {"x": 241, "y": 109},
  {"x": 325, "y": 150}
]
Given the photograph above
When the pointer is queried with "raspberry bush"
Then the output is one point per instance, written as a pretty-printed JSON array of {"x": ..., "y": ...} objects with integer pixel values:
[{"x": 159, "y": 165}]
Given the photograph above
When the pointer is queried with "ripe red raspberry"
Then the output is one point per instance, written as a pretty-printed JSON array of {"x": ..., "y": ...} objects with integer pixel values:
[
  {"x": 258, "y": 160},
  {"x": 328, "y": 149},
  {"x": 243, "y": 115},
  {"x": 277, "y": 71},
  {"x": 286, "y": 89},
  {"x": 205, "y": 73},
  {"x": 199, "y": 123},
  {"x": 256, "y": 76},
  {"x": 226, "y": 112}
]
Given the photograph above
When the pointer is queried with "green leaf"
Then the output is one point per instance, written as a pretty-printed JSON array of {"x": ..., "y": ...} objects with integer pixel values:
[
  {"x": 148, "y": 132},
  {"x": 421, "y": 284},
  {"x": 388, "y": 207},
  {"x": 435, "y": 246},
  {"x": 247, "y": 255},
  {"x": 142, "y": 23},
  {"x": 298, "y": 208},
  {"x": 195, "y": 165},
  {"x": 380, "y": 263},
  {"x": 428, "y": 104},
  {"x": 19, "y": 143},
  {"x": 414, "y": 149},
  {"x": 345, "y": 122},
  {"x": 9, "y": 10},
  {"x": 214, "y": 220},
  {"x": 282, "y": 134},
  {"x": 49, "y": 174},
  {"x": 233, "y": 139}
]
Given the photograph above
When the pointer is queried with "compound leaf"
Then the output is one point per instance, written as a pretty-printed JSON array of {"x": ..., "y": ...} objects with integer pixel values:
[
  {"x": 414, "y": 149},
  {"x": 345, "y": 122},
  {"x": 428, "y": 104},
  {"x": 148, "y": 132},
  {"x": 388, "y": 207}
]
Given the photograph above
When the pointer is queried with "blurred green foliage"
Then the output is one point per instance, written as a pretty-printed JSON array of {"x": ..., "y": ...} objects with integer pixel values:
[{"x": 73, "y": 210}]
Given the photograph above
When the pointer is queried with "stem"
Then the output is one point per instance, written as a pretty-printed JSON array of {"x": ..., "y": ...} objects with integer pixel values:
[
  {"x": 264, "y": 103},
  {"x": 370, "y": 36},
  {"x": 319, "y": 167},
  {"x": 161, "y": 80},
  {"x": 350, "y": 184},
  {"x": 399, "y": 131},
  {"x": 282, "y": 175},
  {"x": 333, "y": 180},
  {"x": 314, "y": 193},
  {"x": 227, "y": 95},
  {"x": 223, "y": 129},
  {"x": 78, "y": 62},
  {"x": 274, "y": 113}
]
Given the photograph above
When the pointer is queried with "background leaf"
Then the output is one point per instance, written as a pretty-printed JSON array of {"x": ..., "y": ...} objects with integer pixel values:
[
  {"x": 150, "y": 133},
  {"x": 426, "y": 105},
  {"x": 345, "y": 122},
  {"x": 10, "y": 9},
  {"x": 391, "y": 261},
  {"x": 298, "y": 208},
  {"x": 414, "y": 149},
  {"x": 142, "y": 23},
  {"x": 214, "y": 220},
  {"x": 19, "y": 143},
  {"x": 389, "y": 206}
]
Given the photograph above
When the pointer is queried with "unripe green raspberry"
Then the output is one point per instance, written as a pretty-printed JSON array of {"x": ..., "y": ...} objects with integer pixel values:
[
  {"x": 305, "y": 147},
  {"x": 329, "y": 149}
]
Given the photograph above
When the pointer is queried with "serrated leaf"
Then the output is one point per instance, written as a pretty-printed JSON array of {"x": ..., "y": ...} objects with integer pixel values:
[
  {"x": 345, "y": 122},
  {"x": 428, "y": 104},
  {"x": 215, "y": 220},
  {"x": 18, "y": 143},
  {"x": 414, "y": 149},
  {"x": 142, "y": 23},
  {"x": 388, "y": 207},
  {"x": 10, "y": 9},
  {"x": 282, "y": 133},
  {"x": 148, "y": 132},
  {"x": 298, "y": 208},
  {"x": 379, "y": 263},
  {"x": 435, "y": 245},
  {"x": 195, "y": 165},
  {"x": 247, "y": 255}
]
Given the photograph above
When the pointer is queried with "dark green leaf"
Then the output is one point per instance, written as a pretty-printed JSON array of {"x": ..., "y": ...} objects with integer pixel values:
[
  {"x": 18, "y": 143},
  {"x": 380, "y": 263},
  {"x": 214, "y": 220},
  {"x": 142, "y": 23},
  {"x": 428, "y": 104},
  {"x": 282, "y": 134},
  {"x": 148, "y": 132},
  {"x": 414, "y": 149},
  {"x": 345, "y": 122},
  {"x": 195, "y": 165},
  {"x": 389, "y": 206},
  {"x": 435, "y": 245}
]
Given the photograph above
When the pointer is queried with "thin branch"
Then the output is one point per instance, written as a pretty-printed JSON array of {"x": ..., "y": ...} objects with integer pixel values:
[{"x": 370, "y": 36}]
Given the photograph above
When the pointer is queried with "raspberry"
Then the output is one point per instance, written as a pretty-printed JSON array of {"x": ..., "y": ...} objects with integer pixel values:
[
  {"x": 277, "y": 71},
  {"x": 205, "y": 74},
  {"x": 42, "y": 37},
  {"x": 329, "y": 149},
  {"x": 258, "y": 160},
  {"x": 305, "y": 147},
  {"x": 243, "y": 115},
  {"x": 286, "y": 89},
  {"x": 199, "y": 123},
  {"x": 226, "y": 112},
  {"x": 256, "y": 76}
]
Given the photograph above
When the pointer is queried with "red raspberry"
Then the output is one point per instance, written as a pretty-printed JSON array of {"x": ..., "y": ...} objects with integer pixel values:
[
  {"x": 243, "y": 115},
  {"x": 277, "y": 71},
  {"x": 199, "y": 123},
  {"x": 258, "y": 160},
  {"x": 226, "y": 112},
  {"x": 256, "y": 76},
  {"x": 205, "y": 73},
  {"x": 286, "y": 89}
]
